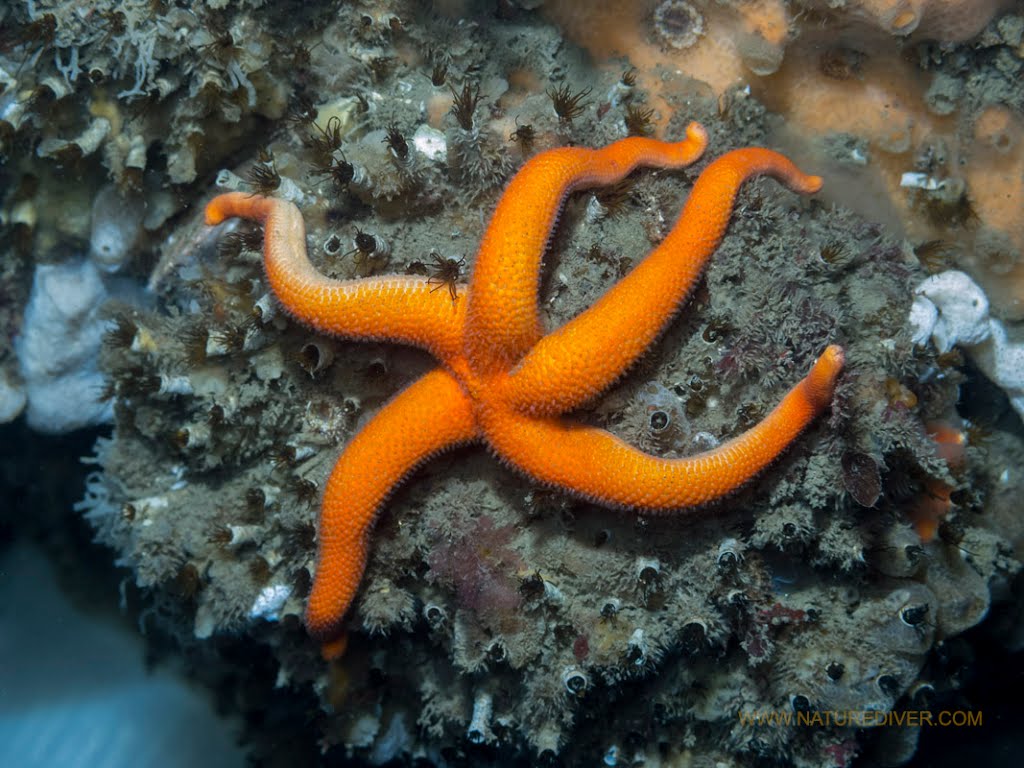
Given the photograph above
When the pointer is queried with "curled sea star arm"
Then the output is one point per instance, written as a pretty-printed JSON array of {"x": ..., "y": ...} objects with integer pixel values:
[
  {"x": 576, "y": 362},
  {"x": 597, "y": 465},
  {"x": 430, "y": 416},
  {"x": 399, "y": 308},
  {"x": 503, "y": 319}
]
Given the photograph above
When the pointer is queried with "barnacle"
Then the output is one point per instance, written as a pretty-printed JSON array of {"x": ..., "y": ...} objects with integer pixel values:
[
  {"x": 41, "y": 31},
  {"x": 532, "y": 587},
  {"x": 108, "y": 391},
  {"x": 314, "y": 357},
  {"x": 568, "y": 105},
  {"x": 305, "y": 490},
  {"x": 255, "y": 504},
  {"x": 694, "y": 636},
  {"x": 136, "y": 380},
  {"x": 439, "y": 73},
  {"x": 368, "y": 246},
  {"x": 301, "y": 56},
  {"x": 232, "y": 336},
  {"x": 914, "y": 615},
  {"x": 935, "y": 255},
  {"x": 833, "y": 253},
  {"x": 283, "y": 456},
  {"x": 638, "y": 120},
  {"x": 841, "y": 63},
  {"x": 445, "y": 272},
  {"x": 396, "y": 143},
  {"x": 332, "y": 245},
  {"x": 464, "y": 104},
  {"x": 302, "y": 112},
  {"x": 260, "y": 569},
  {"x": 220, "y": 535},
  {"x": 716, "y": 330},
  {"x": 195, "y": 338},
  {"x": 575, "y": 681},
  {"x": 678, "y": 23},
  {"x": 340, "y": 171},
  {"x": 221, "y": 47},
  {"x": 121, "y": 333},
  {"x": 614, "y": 196},
  {"x": 187, "y": 583},
  {"x": 948, "y": 206},
  {"x": 435, "y": 615},
  {"x": 524, "y": 135},
  {"x": 610, "y": 609},
  {"x": 730, "y": 555},
  {"x": 247, "y": 238},
  {"x": 327, "y": 140},
  {"x": 263, "y": 178}
]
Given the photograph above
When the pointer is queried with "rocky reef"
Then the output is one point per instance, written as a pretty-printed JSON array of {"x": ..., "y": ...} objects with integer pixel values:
[{"x": 500, "y": 621}]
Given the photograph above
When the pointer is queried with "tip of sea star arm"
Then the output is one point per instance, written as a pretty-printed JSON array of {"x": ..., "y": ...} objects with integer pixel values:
[
  {"x": 240, "y": 204},
  {"x": 735, "y": 167},
  {"x": 329, "y": 632},
  {"x": 821, "y": 381},
  {"x": 335, "y": 648},
  {"x": 697, "y": 135},
  {"x": 797, "y": 180}
]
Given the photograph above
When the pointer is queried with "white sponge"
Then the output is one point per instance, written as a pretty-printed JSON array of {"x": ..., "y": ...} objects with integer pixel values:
[
  {"x": 950, "y": 309},
  {"x": 58, "y": 346}
]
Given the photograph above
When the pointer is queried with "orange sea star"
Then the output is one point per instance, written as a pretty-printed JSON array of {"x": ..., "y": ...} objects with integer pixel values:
[{"x": 501, "y": 380}]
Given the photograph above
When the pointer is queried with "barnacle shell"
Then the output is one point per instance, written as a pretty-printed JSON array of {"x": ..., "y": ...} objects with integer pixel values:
[{"x": 678, "y": 23}]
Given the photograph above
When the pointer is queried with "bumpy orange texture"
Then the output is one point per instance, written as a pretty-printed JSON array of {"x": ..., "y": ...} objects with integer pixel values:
[{"x": 505, "y": 383}]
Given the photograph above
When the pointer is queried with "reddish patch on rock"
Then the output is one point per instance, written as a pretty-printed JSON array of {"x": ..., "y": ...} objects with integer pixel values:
[{"x": 581, "y": 648}]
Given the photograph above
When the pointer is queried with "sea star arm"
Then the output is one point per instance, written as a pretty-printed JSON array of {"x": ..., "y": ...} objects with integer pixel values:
[
  {"x": 503, "y": 320},
  {"x": 399, "y": 308},
  {"x": 431, "y": 415},
  {"x": 575, "y": 363},
  {"x": 595, "y": 464}
]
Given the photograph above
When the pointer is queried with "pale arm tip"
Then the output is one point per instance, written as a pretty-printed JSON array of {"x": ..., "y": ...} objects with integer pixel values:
[
  {"x": 821, "y": 381},
  {"x": 695, "y": 132}
]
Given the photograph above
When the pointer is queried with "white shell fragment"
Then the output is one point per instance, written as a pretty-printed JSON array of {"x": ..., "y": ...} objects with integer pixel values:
[{"x": 921, "y": 181}]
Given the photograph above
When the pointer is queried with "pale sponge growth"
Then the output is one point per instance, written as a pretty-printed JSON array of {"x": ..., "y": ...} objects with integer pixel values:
[
  {"x": 58, "y": 347},
  {"x": 950, "y": 309}
]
